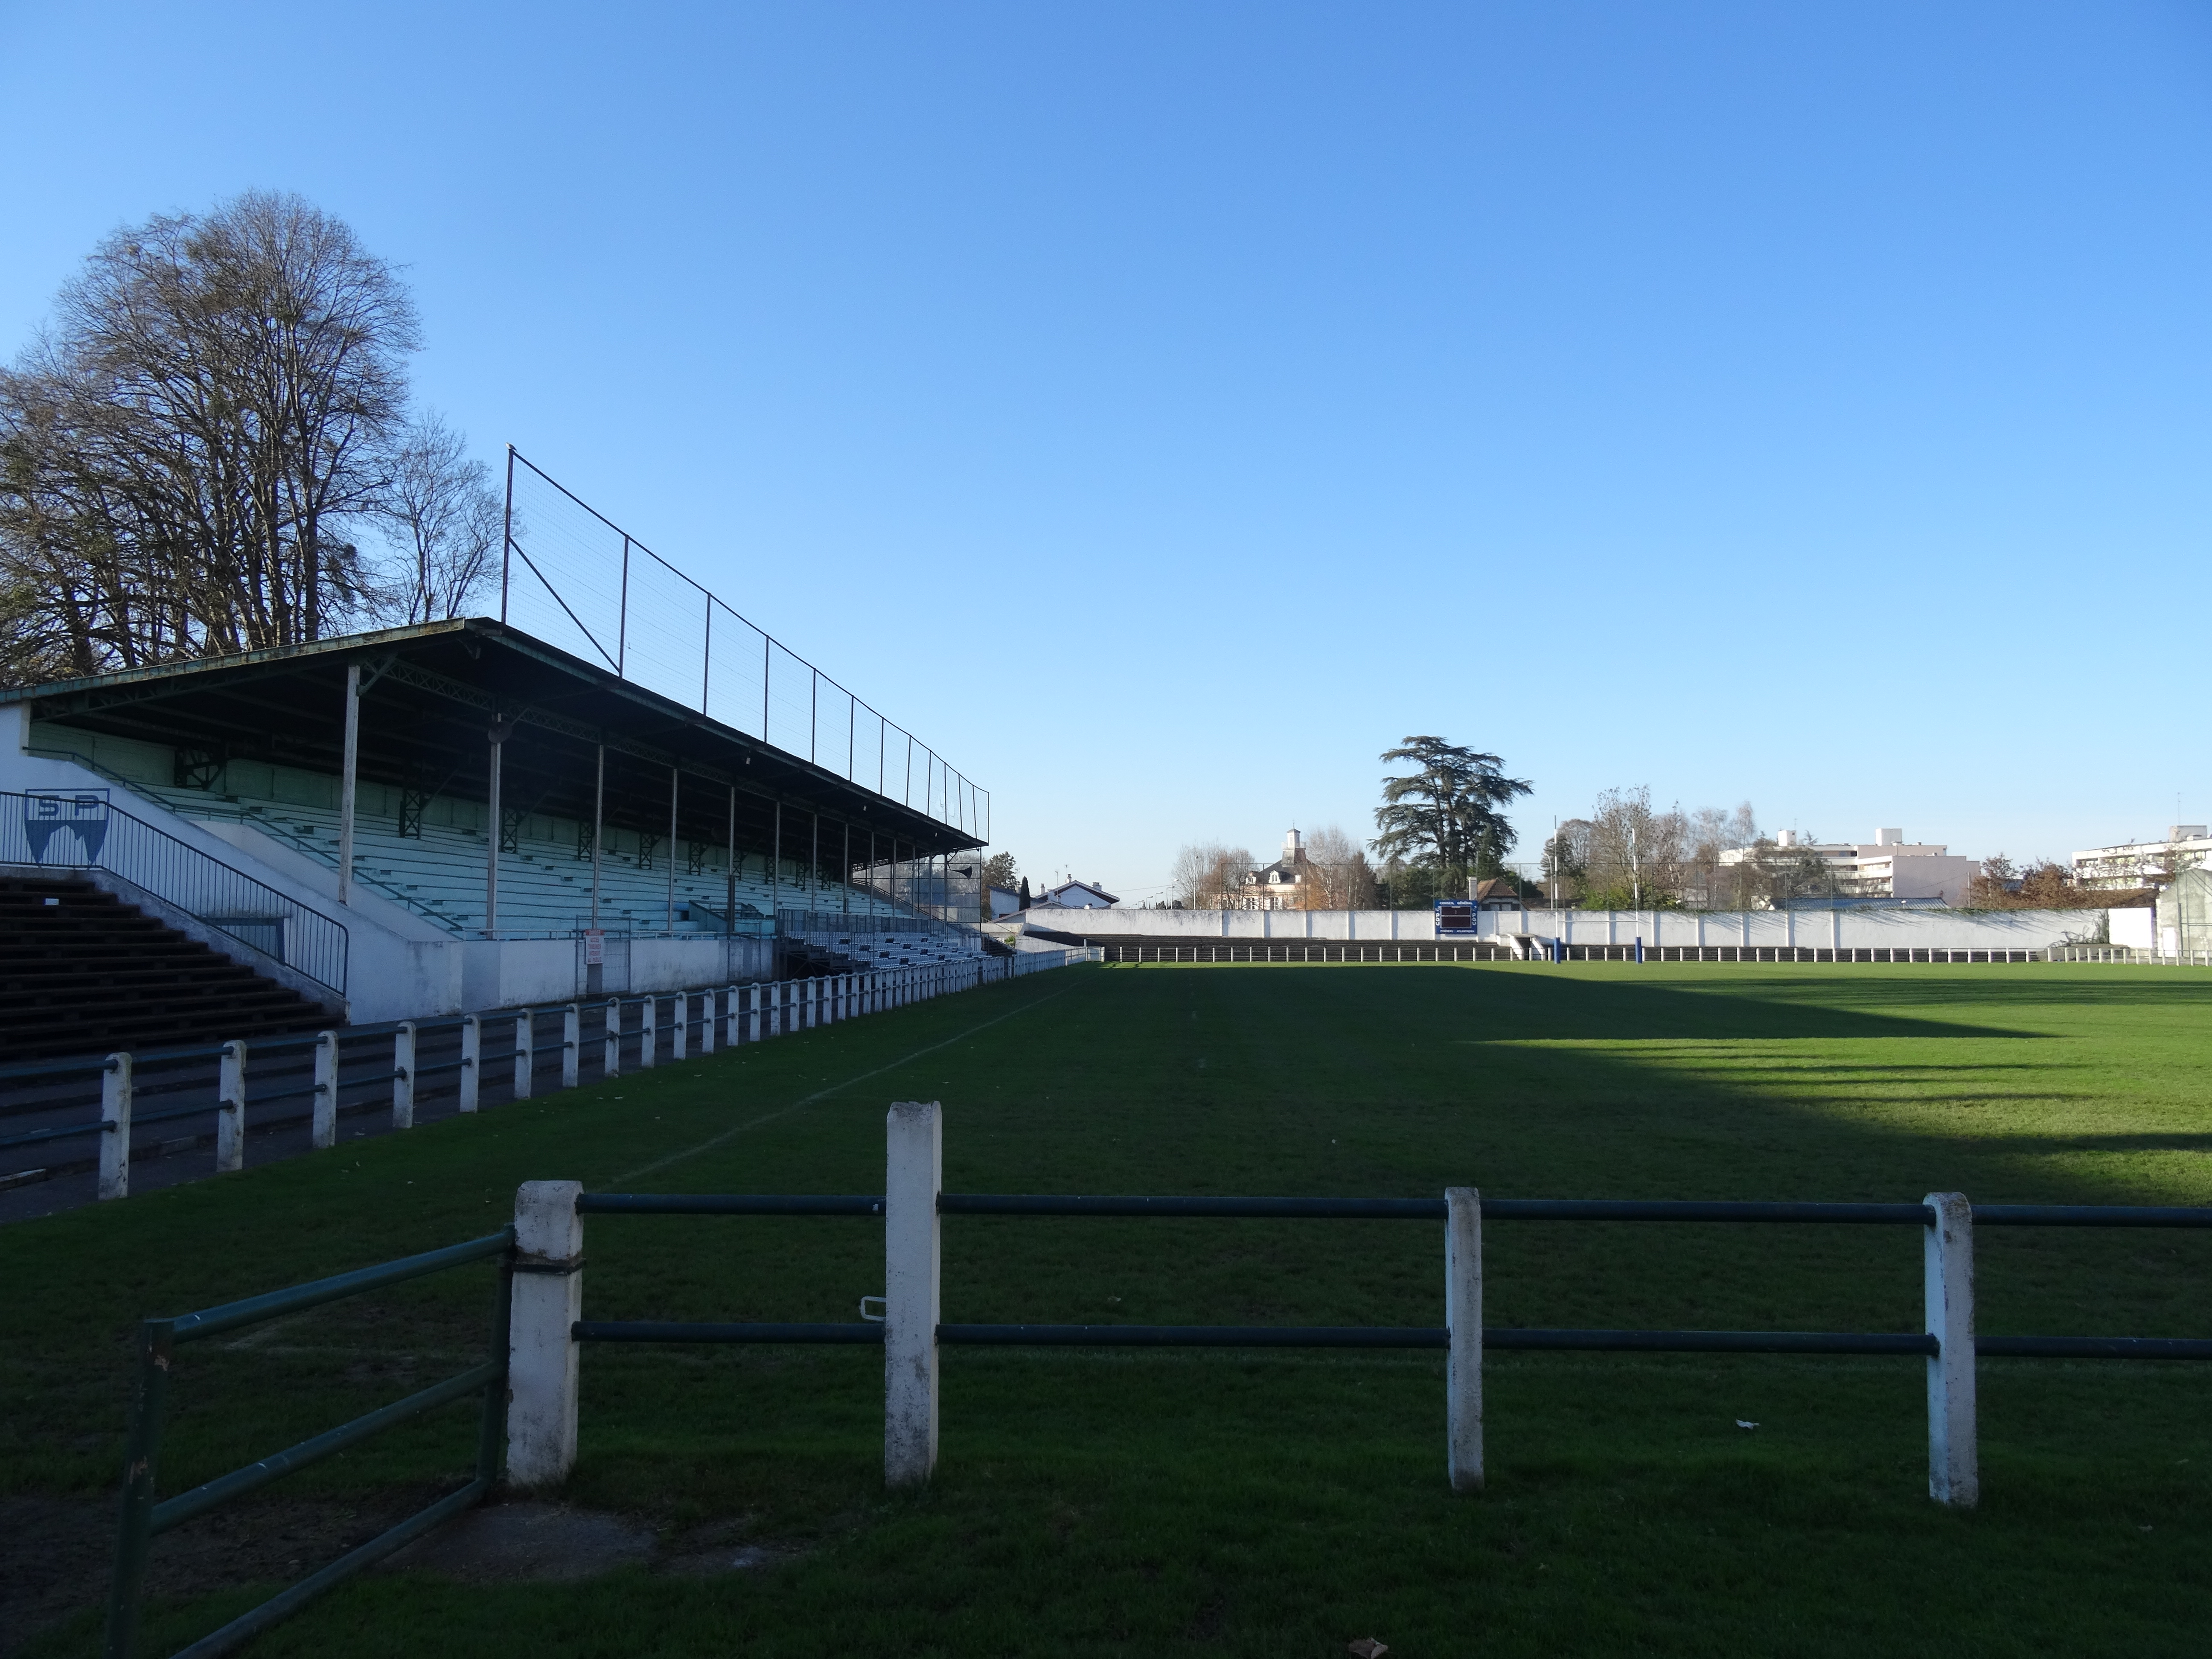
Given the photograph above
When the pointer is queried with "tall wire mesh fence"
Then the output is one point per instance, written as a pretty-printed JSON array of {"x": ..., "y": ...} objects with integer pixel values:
[{"x": 578, "y": 580}]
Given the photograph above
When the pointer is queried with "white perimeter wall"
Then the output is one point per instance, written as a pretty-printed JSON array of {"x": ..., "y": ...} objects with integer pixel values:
[{"x": 1853, "y": 929}]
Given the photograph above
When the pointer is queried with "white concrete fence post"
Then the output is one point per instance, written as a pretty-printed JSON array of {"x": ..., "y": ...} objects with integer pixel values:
[
  {"x": 734, "y": 1035},
  {"x": 648, "y": 1032},
  {"x": 526, "y": 1052},
  {"x": 1463, "y": 1314},
  {"x": 572, "y": 1044},
  {"x": 403, "y": 1075},
  {"x": 324, "y": 1114},
  {"x": 115, "y": 1121},
  {"x": 1947, "y": 1263},
  {"x": 706, "y": 1022},
  {"x": 548, "y": 1300},
  {"x": 472, "y": 1061},
  {"x": 756, "y": 1010},
  {"x": 679, "y": 1013},
  {"x": 913, "y": 1175},
  {"x": 230, "y": 1108},
  {"x": 610, "y": 1049}
]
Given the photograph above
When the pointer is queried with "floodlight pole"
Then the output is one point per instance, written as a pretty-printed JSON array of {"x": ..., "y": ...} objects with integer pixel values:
[{"x": 506, "y": 535}]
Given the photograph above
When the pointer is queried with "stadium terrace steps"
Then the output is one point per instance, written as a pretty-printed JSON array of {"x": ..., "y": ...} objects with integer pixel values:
[
  {"x": 81, "y": 972},
  {"x": 544, "y": 886}
]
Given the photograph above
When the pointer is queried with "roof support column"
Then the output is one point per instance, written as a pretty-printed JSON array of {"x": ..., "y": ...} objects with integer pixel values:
[
  {"x": 814, "y": 866},
  {"x": 845, "y": 887},
  {"x": 346, "y": 782},
  {"x": 496, "y": 831},
  {"x": 599, "y": 828},
  {"x": 730, "y": 913},
  {"x": 674, "y": 774}
]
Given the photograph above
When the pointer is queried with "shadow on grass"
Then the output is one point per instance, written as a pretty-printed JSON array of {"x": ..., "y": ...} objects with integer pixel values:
[{"x": 1544, "y": 1006}]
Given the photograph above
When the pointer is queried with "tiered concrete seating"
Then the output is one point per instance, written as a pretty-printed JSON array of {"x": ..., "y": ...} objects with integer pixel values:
[
  {"x": 544, "y": 887},
  {"x": 81, "y": 972},
  {"x": 869, "y": 951}
]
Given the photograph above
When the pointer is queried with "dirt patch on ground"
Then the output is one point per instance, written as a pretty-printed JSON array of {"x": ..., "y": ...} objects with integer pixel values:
[
  {"x": 57, "y": 1554},
  {"x": 526, "y": 1540}
]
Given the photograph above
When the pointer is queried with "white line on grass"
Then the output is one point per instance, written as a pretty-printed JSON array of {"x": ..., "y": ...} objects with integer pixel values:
[{"x": 808, "y": 1100}]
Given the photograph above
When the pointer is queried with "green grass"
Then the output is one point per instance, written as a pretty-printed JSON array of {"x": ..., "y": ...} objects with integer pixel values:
[{"x": 1114, "y": 1502}]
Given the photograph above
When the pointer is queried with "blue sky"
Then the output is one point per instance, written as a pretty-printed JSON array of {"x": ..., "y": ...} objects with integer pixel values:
[{"x": 1163, "y": 408}]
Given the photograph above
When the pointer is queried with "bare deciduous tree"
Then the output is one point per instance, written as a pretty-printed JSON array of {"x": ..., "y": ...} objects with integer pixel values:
[
  {"x": 187, "y": 458},
  {"x": 1208, "y": 876},
  {"x": 441, "y": 509},
  {"x": 1337, "y": 876}
]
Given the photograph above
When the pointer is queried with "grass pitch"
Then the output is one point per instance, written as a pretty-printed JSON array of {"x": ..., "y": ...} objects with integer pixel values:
[{"x": 1120, "y": 1502}]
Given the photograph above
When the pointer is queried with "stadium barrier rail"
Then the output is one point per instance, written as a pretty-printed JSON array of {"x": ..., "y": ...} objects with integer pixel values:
[
  {"x": 544, "y": 1398},
  {"x": 346, "y": 1070},
  {"x": 143, "y": 1516}
]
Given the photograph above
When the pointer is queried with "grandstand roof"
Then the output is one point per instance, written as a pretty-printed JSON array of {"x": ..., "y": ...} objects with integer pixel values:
[{"x": 431, "y": 694}]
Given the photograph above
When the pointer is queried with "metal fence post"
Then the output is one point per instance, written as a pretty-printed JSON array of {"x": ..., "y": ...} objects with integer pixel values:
[
  {"x": 230, "y": 1108},
  {"x": 403, "y": 1075},
  {"x": 611, "y": 1059},
  {"x": 679, "y": 1013},
  {"x": 648, "y": 1032},
  {"x": 142, "y": 1458},
  {"x": 913, "y": 1174},
  {"x": 1463, "y": 1314},
  {"x": 115, "y": 1119},
  {"x": 491, "y": 1440},
  {"x": 548, "y": 1300},
  {"x": 572, "y": 1043},
  {"x": 1948, "y": 1264},
  {"x": 526, "y": 1052},
  {"x": 471, "y": 1061}
]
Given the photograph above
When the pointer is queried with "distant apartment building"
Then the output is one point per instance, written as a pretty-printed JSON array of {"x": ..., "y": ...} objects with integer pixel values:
[
  {"x": 2136, "y": 864},
  {"x": 1887, "y": 868}
]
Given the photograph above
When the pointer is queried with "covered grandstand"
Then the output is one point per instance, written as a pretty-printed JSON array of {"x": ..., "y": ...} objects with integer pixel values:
[{"x": 481, "y": 812}]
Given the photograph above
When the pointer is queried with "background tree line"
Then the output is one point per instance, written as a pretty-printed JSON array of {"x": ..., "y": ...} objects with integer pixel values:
[{"x": 211, "y": 449}]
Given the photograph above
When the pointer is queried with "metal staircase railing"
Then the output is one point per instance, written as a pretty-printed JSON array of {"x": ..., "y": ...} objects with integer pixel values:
[{"x": 65, "y": 829}]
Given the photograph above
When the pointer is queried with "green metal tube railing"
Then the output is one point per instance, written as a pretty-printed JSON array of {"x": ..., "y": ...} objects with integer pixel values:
[{"x": 143, "y": 1518}]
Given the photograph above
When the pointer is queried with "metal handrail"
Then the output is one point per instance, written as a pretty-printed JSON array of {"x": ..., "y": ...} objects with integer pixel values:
[
  {"x": 143, "y": 1518},
  {"x": 83, "y": 830}
]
